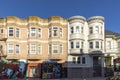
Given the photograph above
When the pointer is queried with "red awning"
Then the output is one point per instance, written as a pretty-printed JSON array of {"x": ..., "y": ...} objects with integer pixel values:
[{"x": 13, "y": 66}]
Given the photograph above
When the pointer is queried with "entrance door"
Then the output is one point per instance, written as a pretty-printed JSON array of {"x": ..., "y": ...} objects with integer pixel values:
[{"x": 97, "y": 66}]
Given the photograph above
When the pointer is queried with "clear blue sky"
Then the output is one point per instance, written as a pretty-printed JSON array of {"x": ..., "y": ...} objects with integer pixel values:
[{"x": 110, "y": 9}]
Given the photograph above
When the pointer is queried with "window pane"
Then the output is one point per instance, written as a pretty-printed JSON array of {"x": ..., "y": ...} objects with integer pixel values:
[
  {"x": 61, "y": 47},
  {"x": 33, "y": 32},
  {"x": 10, "y": 31},
  {"x": 97, "y": 29},
  {"x": 81, "y": 29},
  {"x": 72, "y": 45},
  {"x": 50, "y": 48},
  {"x": 97, "y": 44},
  {"x": 17, "y": 32},
  {"x": 78, "y": 60},
  {"x": 74, "y": 60},
  {"x": 77, "y": 45},
  {"x": 91, "y": 45},
  {"x": 39, "y": 32},
  {"x": 61, "y": 32},
  {"x": 33, "y": 48},
  {"x": 83, "y": 60},
  {"x": 72, "y": 30},
  {"x": 108, "y": 44},
  {"x": 91, "y": 30},
  {"x": 10, "y": 48},
  {"x": 39, "y": 49},
  {"x": 17, "y": 48},
  {"x": 77, "y": 29},
  {"x": 55, "y": 48},
  {"x": 55, "y": 29}
]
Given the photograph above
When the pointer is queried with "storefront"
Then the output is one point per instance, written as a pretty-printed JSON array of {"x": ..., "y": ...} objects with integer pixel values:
[{"x": 51, "y": 69}]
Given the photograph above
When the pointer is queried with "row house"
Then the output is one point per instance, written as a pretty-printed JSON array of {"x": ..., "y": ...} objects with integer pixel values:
[
  {"x": 86, "y": 46},
  {"x": 34, "y": 41},
  {"x": 58, "y": 47},
  {"x": 112, "y": 49}
]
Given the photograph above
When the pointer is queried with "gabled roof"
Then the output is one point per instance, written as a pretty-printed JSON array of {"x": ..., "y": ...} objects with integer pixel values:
[{"x": 108, "y": 32}]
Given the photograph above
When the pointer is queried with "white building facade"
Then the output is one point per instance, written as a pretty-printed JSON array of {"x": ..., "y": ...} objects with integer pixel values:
[{"x": 85, "y": 46}]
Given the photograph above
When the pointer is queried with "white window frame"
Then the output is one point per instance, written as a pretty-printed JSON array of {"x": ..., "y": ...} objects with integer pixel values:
[
  {"x": 17, "y": 33},
  {"x": 91, "y": 30},
  {"x": 33, "y": 32},
  {"x": 61, "y": 32},
  {"x": 91, "y": 45},
  {"x": 10, "y": 48},
  {"x": 53, "y": 48},
  {"x": 10, "y": 32},
  {"x": 109, "y": 45},
  {"x": 77, "y": 29},
  {"x": 77, "y": 44},
  {"x": 74, "y": 60},
  {"x": 18, "y": 49},
  {"x": 55, "y": 32},
  {"x": 39, "y": 49},
  {"x": 39, "y": 33},
  {"x": 61, "y": 48},
  {"x": 97, "y": 29},
  {"x": 31, "y": 46},
  {"x": 97, "y": 44}
]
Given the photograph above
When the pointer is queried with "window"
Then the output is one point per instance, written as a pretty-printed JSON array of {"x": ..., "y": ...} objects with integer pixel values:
[
  {"x": 97, "y": 29},
  {"x": 72, "y": 30},
  {"x": 72, "y": 45},
  {"x": 39, "y": 49},
  {"x": 81, "y": 29},
  {"x": 78, "y": 60},
  {"x": 77, "y": 45},
  {"x": 55, "y": 48},
  {"x": 11, "y": 31},
  {"x": 50, "y": 48},
  {"x": 101, "y": 45},
  {"x": 33, "y": 48},
  {"x": 17, "y": 49},
  {"x": 91, "y": 30},
  {"x": 10, "y": 48},
  {"x": 55, "y": 29},
  {"x": 17, "y": 32},
  {"x": 39, "y": 32},
  {"x": 33, "y": 32},
  {"x": 82, "y": 45},
  {"x": 61, "y": 47},
  {"x": 97, "y": 44},
  {"x": 108, "y": 44},
  {"x": 49, "y": 32},
  {"x": 77, "y": 29},
  {"x": 74, "y": 60},
  {"x": 91, "y": 45},
  {"x": 1, "y": 30},
  {"x": 83, "y": 60},
  {"x": 61, "y": 32}
]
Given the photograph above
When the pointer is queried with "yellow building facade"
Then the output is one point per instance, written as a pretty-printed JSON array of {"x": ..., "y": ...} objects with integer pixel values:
[{"x": 34, "y": 40}]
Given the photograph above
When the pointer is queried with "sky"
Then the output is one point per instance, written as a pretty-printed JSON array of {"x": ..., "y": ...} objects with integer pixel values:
[{"x": 109, "y": 9}]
